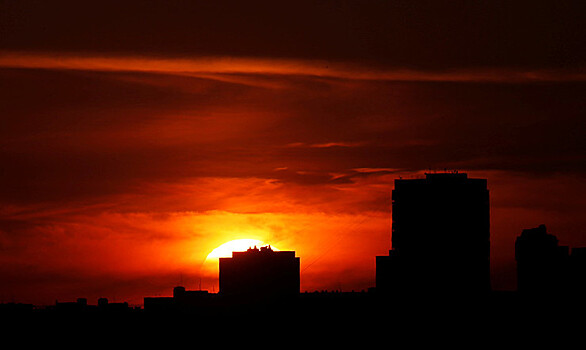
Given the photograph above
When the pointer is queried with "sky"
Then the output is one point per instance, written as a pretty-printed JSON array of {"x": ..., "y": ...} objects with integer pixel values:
[{"x": 138, "y": 136}]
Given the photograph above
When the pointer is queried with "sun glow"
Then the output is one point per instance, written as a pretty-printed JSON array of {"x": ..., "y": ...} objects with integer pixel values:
[
  {"x": 210, "y": 266},
  {"x": 237, "y": 245}
]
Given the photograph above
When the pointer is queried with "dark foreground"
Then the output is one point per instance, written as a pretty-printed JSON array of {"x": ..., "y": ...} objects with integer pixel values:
[{"x": 333, "y": 318}]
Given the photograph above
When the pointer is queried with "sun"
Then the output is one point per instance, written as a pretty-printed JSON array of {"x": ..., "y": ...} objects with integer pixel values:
[
  {"x": 237, "y": 245},
  {"x": 210, "y": 266}
]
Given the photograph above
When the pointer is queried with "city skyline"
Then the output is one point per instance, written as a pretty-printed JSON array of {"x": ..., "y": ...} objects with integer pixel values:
[{"x": 440, "y": 254}]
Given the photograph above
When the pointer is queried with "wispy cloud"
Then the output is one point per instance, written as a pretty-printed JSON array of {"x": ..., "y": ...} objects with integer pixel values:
[
  {"x": 325, "y": 144},
  {"x": 337, "y": 144},
  {"x": 225, "y": 65}
]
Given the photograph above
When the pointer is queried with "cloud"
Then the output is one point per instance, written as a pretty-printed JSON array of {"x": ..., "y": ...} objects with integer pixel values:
[
  {"x": 337, "y": 144},
  {"x": 235, "y": 69},
  {"x": 414, "y": 34},
  {"x": 93, "y": 134}
]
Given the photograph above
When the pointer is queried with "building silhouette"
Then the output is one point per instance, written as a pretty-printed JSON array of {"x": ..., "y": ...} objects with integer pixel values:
[
  {"x": 546, "y": 268},
  {"x": 81, "y": 306},
  {"x": 440, "y": 237},
  {"x": 540, "y": 261},
  {"x": 182, "y": 300},
  {"x": 251, "y": 277},
  {"x": 260, "y": 274}
]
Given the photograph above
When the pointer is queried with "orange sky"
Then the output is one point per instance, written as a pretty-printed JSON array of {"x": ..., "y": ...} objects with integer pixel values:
[{"x": 136, "y": 141}]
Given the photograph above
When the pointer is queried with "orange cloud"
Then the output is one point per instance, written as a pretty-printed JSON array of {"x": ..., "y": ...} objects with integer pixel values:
[{"x": 225, "y": 68}]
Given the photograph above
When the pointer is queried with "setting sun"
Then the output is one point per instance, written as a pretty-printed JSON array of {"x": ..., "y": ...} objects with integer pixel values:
[
  {"x": 237, "y": 245},
  {"x": 210, "y": 265}
]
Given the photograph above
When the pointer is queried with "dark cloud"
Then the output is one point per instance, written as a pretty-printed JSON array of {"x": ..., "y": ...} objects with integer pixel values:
[
  {"x": 90, "y": 134},
  {"x": 396, "y": 33}
]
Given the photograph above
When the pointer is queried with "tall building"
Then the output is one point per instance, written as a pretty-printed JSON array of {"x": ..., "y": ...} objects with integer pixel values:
[
  {"x": 542, "y": 264},
  {"x": 440, "y": 236},
  {"x": 260, "y": 274}
]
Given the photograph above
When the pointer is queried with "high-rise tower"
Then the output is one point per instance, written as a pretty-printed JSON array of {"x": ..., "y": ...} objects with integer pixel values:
[{"x": 440, "y": 236}]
